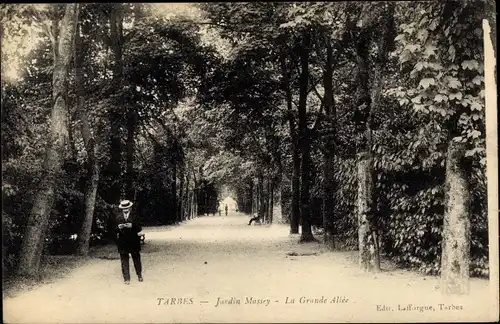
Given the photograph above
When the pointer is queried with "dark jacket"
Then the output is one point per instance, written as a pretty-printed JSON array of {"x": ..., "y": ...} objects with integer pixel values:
[{"x": 127, "y": 239}]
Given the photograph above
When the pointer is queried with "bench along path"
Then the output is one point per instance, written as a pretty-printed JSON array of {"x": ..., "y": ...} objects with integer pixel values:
[{"x": 219, "y": 269}]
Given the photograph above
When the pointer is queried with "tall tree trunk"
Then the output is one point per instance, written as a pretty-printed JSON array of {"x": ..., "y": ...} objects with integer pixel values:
[
  {"x": 304, "y": 144},
  {"x": 196, "y": 204},
  {"x": 115, "y": 117},
  {"x": 181, "y": 194},
  {"x": 250, "y": 198},
  {"x": 34, "y": 235},
  {"x": 367, "y": 256},
  {"x": 265, "y": 199},
  {"x": 252, "y": 212},
  {"x": 91, "y": 148},
  {"x": 455, "y": 258},
  {"x": 295, "y": 198},
  {"x": 385, "y": 45},
  {"x": 271, "y": 201},
  {"x": 192, "y": 201},
  {"x": 186, "y": 203},
  {"x": 173, "y": 191},
  {"x": 295, "y": 206},
  {"x": 305, "y": 213},
  {"x": 329, "y": 151},
  {"x": 268, "y": 201},
  {"x": 491, "y": 121},
  {"x": 195, "y": 200},
  {"x": 131, "y": 127},
  {"x": 255, "y": 198},
  {"x": 195, "y": 196},
  {"x": 71, "y": 135},
  {"x": 192, "y": 204},
  {"x": 261, "y": 198},
  {"x": 285, "y": 199}
]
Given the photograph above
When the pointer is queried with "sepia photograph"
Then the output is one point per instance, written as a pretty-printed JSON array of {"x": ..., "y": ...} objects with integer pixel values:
[{"x": 249, "y": 162}]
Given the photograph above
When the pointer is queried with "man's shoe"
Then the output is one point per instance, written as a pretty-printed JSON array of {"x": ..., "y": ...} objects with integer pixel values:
[
  {"x": 127, "y": 282},
  {"x": 140, "y": 279}
]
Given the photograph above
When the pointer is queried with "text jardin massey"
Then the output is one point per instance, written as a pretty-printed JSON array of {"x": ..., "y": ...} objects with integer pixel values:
[{"x": 288, "y": 300}]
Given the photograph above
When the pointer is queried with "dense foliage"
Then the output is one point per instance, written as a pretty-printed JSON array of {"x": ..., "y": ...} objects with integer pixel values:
[{"x": 254, "y": 99}]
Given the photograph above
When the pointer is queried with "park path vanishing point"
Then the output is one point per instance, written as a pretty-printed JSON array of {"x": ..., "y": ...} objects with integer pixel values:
[{"x": 213, "y": 256}]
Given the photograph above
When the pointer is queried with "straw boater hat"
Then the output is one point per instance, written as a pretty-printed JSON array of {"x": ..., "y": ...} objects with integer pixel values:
[{"x": 124, "y": 204}]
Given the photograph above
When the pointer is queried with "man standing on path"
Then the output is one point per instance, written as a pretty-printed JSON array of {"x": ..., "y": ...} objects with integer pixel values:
[
  {"x": 226, "y": 209},
  {"x": 128, "y": 240}
]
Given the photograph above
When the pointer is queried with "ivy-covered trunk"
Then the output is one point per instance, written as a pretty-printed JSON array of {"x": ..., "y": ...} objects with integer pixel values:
[
  {"x": 455, "y": 258},
  {"x": 329, "y": 151},
  {"x": 34, "y": 235},
  {"x": 367, "y": 240},
  {"x": 91, "y": 148},
  {"x": 304, "y": 143},
  {"x": 368, "y": 102}
]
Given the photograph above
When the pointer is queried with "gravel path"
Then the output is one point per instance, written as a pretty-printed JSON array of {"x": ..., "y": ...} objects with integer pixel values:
[{"x": 261, "y": 273}]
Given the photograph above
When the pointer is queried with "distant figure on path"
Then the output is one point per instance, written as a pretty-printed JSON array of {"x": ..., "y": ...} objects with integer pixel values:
[
  {"x": 128, "y": 240},
  {"x": 226, "y": 209}
]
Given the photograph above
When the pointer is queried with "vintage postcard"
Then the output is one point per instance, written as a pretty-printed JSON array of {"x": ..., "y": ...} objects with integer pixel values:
[{"x": 250, "y": 162}]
